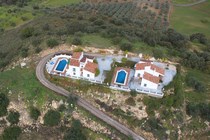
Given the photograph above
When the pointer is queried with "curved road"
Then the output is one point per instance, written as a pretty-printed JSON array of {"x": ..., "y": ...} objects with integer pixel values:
[{"x": 81, "y": 102}]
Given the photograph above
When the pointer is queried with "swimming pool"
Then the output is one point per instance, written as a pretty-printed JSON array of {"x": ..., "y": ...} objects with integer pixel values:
[
  {"x": 61, "y": 65},
  {"x": 121, "y": 76}
]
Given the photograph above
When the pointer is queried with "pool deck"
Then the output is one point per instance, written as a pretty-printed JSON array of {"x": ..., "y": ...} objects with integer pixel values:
[{"x": 104, "y": 64}]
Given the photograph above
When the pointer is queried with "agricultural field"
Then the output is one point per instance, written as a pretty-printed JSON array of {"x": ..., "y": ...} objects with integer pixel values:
[
  {"x": 183, "y": 1},
  {"x": 183, "y": 21}
]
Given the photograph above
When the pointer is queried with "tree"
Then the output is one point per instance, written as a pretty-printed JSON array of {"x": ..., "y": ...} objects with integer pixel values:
[
  {"x": 72, "y": 100},
  {"x": 77, "y": 41},
  {"x": 130, "y": 101},
  {"x": 133, "y": 93},
  {"x": 52, "y": 118},
  {"x": 200, "y": 37},
  {"x": 11, "y": 133},
  {"x": 195, "y": 83},
  {"x": 34, "y": 113},
  {"x": 126, "y": 46},
  {"x": 75, "y": 132},
  {"x": 27, "y": 32},
  {"x": 4, "y": 102},
  {"x": 52, "y": 43},
  {"x": 97, "y": 72},
  {"x": 13, "y": 117}
]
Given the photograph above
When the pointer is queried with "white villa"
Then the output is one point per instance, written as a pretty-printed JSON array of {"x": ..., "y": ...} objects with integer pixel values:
[
  {"x": 147, "y": 77},
  {"x": 76, "y": 66},
  {"x": 149, "y": 74}
]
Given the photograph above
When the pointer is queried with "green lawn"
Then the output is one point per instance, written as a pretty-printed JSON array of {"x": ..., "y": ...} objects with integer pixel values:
[
  {"x": 24, "y": 82},
  {"x": 94, "y": 40},
  {"x": 193, "y": 19}
]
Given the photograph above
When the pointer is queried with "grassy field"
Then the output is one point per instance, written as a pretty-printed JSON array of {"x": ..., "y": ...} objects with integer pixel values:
[
  {"x": 57, "y": 3},
  {"x": 194, "y": 96},
  {"x": 12, "y": 16},
  {"x": 24, "y": 82},
  {"x": 188, "y": 20},
  {"x": 96, "y": 41},
  {"x": 183, "y": 1}
]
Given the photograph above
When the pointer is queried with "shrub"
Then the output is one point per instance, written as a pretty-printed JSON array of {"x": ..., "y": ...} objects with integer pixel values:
[
  {"x": 77, "y": 41},
  {"x": 201, "y": 109},
  {"x": 27, "y": 32},
  {"x": 75, "y": 132},
  {"x": 46, "y": 27},
  {"x": 126, "y": 46},
  {"x": 78, "y": 50},
  {"x": 24, "y": 52},
  {"x": 97, "y": 72},
  {"x": 52, "y": 118},
  {"x": 13, "y": 117},
  {"x": 11, "y": 133},
  {"x": 52, "y": 43},
  {"x": 116, "y": 40},
  {"x": 4, "y": 102},
  {"x": 157, "y": 53},
  {"x": 130, "y": 101},
  {"x": 194, "y": 83},
  {"x": 34, "y": 113},
  {"x": 133, "y": 93},
  {"x": 36, "y": 42},
  {"x": 62, "y": 108},
  {"x": 72, "y": 100},
  {"x": 38, "y": 49}
]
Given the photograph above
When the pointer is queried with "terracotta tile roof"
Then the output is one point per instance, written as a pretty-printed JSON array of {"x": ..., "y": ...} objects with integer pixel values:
[
  {"x": 91, "y": 67},
  {"x": 141, "y": 66},
  {"x": 74, "y": 62},
  {"x": 83, "y": 59},
  {"x": 86, "y": 57},
  {"x": 157, "y": 69},
  {"x": 115, "y": 74},
  {"x": 76, "y": 55},
  {"x": 151, "y": 78}
]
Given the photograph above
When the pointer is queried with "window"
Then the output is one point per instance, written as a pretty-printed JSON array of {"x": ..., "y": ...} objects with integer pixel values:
[
  {"x": 74, "y": 73},
  {"x": 139, "y": 74},
  {"x": 88, "y": 75},
  {"x": 74, "y": 69},
  {"x": 145, "y": 85}
]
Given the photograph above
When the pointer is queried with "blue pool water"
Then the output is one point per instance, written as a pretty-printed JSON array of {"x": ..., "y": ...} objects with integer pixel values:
[
  {"x": 121, "y": 77},
  {"x": 61, "y": 65}
]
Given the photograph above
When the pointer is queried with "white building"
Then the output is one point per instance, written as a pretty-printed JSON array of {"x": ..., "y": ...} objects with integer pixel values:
[
  {"x": 89, "y": 70},
  {"x": 81, "y": 66},
  {"x": 150, "y": 81},
  {"x": 149, "y": 74}
]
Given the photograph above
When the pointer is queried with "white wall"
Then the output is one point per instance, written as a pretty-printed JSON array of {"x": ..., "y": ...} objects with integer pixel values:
[
  {"x": 77, "y": 71},
  {"x": 141, "y": 72},
  {"x": 149, "y": 84},
  {"x": 91, "y": 75}
]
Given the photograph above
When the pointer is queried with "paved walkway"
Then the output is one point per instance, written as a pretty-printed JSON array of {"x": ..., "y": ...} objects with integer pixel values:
[{"x": 81, "y": 102}]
